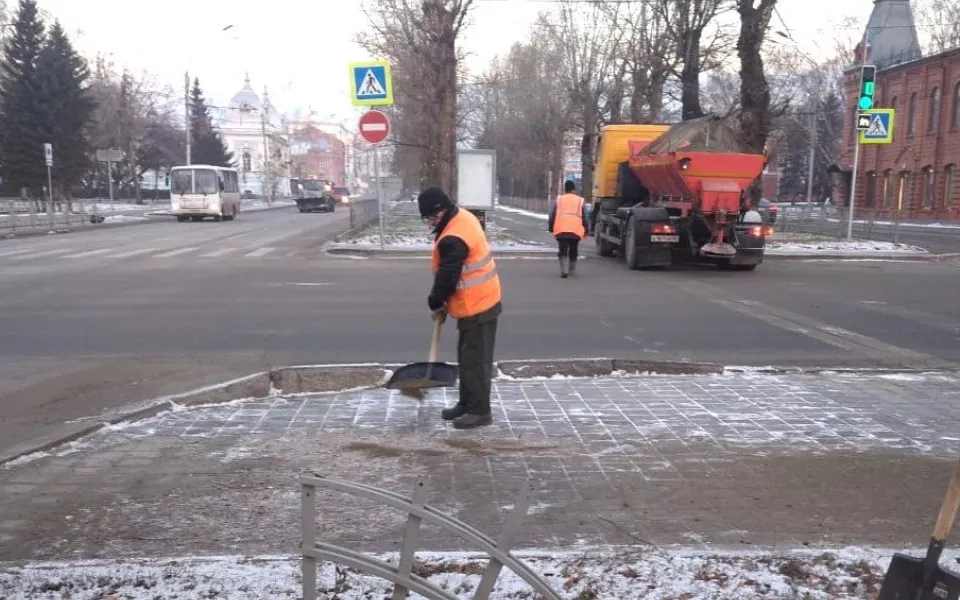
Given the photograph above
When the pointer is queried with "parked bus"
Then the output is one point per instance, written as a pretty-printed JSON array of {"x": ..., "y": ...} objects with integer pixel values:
[{"x": 199, "y": 191}]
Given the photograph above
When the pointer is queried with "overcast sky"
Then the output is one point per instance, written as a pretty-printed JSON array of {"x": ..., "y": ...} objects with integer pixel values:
[{"x": 300, "y": 49}]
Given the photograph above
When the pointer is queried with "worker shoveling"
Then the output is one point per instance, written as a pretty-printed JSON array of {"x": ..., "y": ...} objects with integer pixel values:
[
  {"x": 911, "y": 578},
  {"x": 414, "y": 379}
]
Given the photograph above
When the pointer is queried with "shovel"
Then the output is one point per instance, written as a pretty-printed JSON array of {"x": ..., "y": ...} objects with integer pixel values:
[
  {"x": 415, "y": 377},
  {"x": 911, "y": 578}
]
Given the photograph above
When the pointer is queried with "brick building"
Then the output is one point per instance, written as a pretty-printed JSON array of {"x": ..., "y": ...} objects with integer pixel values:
[
  {"x": 917, "y": 172},
  {"x": 316, "y": 154}
]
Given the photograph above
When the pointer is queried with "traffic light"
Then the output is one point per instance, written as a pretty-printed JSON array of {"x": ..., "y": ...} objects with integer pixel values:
[{"x": 867, "y": 86}]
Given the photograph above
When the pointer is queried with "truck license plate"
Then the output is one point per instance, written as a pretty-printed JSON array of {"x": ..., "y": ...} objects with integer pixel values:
[{"x": 665, "y": 239}]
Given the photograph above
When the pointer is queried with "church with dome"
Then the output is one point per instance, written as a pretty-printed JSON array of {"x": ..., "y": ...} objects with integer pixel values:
[{"x": 256, "y": 133}]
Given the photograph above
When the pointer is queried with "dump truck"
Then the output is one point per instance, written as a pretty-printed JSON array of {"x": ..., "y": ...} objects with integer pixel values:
[
  {"x": 666, "y": 194},
  {"x": 313, "y": 195}
]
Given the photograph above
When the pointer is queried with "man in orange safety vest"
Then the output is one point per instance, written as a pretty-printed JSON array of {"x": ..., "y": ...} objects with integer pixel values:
[
  {"x": 569, "y": 224},
  {"x": 466, "y": 286}
]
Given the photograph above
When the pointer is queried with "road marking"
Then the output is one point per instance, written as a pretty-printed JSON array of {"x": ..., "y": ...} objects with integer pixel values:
[
  {"x": 134, "y": 253},
  {"x": 41, "y": 254},
  {"x": 260, "y": 252},
  {"x": 15, "y": 253},
  {"x": 89, "y": 253},
  {"x": 912, "y": 314},
  {"x": 823, "y": 332},
  {"x": 174, "y": 252},
  {"x": 308, "y": 284},
  {"x": 217, "y": 253}
]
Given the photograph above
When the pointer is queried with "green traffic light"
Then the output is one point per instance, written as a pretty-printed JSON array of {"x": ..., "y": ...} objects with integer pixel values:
[{"x": 866, "y": 102}]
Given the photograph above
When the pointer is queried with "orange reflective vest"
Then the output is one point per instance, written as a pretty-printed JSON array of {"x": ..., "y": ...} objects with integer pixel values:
[
  {"x": 569, "y": 217},
  {"x": 479, "y": 286}
]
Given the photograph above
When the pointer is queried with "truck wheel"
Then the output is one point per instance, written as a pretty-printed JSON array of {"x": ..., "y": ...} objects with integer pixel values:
[{"x": 603, "y": 247}]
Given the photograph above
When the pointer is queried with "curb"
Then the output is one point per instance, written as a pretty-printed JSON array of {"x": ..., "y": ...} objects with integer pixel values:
[
  {"x": 314, "y": 379},
  {"x": 367, "y": 252},
  {"x": 149, "y": 217}
]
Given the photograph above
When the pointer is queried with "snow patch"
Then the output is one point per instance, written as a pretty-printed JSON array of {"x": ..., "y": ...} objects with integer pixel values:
[
  {"x": 842, "y": 247},
  {"x": 520, "y": 211},
  {"x": 604, "y": 573}
]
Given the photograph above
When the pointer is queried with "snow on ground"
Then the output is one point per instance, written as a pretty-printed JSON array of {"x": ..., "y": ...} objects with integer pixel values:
[
  {"x": 595, "y": 574},
  {"x": 408, "y": 231},
  {"x": 858, "y": 247},
  {"x": 520, "y": 211},
  {"x": 124, "y": 219}
]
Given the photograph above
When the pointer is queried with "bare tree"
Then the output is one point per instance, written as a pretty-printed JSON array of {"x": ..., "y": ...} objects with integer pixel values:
[
  {"x": 649, "y": 45},
  {"x": 588, "y": 43},
  {"x": 687, "y": 22},
  {"x": 941, "y": 19},
  {"x": 755, "y": 114},
  {"x": 420, "y": 40}
]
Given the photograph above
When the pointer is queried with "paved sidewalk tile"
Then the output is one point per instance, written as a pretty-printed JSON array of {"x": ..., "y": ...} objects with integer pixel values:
[{"x": 713, "y": 460}]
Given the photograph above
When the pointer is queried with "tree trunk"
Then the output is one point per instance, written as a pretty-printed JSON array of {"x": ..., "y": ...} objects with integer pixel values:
[
  {"x": 690, "y": 76},
  {"x": 640, "y": 90},
  {"x": 754, "y": 91},
  {"x": 657, "y": 83},
  {"x": 617, "y": 93},
  {"x": 586, "y": 150}
]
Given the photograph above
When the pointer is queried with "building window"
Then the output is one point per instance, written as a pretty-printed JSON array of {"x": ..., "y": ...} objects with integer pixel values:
[
  {"x": 948, "y": 183},
  {"x": 927, "y": 187},
  {"x": 887, "y": 198},
  {"x": 903, "y": 190},
  {"x": 870, "y": 197},
  {"x": 912, "y": 115},
  {"x": 956, "y": 105},
  {"x": 933, "y": 115},
  {"x": 246, "y": 161}
]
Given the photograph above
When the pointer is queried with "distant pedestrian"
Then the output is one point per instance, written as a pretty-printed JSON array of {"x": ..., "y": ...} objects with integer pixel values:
[
  {"x": 465, "y": 286},
  {"x": 569, "y": 224}
]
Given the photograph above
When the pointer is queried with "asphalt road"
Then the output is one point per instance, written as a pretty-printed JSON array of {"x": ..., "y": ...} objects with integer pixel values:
[{"x": 95, "y": 320}]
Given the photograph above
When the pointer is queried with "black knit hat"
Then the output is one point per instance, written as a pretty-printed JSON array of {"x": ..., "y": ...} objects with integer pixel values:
[{"x": 432, "y": 200}]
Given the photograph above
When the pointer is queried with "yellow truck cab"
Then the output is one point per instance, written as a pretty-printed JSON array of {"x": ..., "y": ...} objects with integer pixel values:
[{"x": 614, "y": 146}]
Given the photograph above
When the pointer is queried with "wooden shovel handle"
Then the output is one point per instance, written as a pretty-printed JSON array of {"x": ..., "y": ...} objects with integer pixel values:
[
  {"x": 948, "y": 510},
  {"x": 436, "y": 340}
]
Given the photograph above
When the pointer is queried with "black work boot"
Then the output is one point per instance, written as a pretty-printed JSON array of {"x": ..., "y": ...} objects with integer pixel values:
[
  {"x": 472, "y": 421},
  {"x": 563, "y": 266},
  {"x": 573, "y": 267},
  {"x": 455, "y": 411}
]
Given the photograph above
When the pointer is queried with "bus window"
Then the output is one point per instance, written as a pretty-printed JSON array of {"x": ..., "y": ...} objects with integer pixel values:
[
  {"x": 181, "y": 182},
  {"x": 206, "y": 182}
]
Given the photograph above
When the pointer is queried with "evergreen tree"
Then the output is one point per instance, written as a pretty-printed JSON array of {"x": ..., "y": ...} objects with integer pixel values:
[
  {"x": 207, "y": 146},
  {"x": 21, "y": 136},
  {"x": 66, "y": 107}
]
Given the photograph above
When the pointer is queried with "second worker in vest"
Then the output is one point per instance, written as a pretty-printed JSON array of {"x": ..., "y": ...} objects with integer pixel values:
[
  {"x": 466, "y": 287},
  {"x": 569, "y": 224}
]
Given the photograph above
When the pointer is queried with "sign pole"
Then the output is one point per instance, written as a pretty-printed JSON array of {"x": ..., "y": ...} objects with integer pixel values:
[
  {"x": 110, "y": 181},
  {"x": 376, "y": 174},
  {"x": 48, "y": 157},
  {"x": 853, "y": 186}
]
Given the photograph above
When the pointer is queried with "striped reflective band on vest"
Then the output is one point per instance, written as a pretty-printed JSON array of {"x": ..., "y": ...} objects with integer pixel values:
[{"x": 483, "y": 262}]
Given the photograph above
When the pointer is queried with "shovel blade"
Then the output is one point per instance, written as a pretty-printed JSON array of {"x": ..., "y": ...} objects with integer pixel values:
[
  {"x": 904, "y": 581},
  {"x": 423, "y": 375}
]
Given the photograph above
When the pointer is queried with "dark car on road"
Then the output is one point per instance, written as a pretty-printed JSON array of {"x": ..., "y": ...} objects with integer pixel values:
[{"x": 313, "y": 195}]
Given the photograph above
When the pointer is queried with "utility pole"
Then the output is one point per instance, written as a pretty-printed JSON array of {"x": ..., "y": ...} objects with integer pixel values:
[
  {"x": 266, "y": 154},
  {"x": 813, "y": 156},
  {"x": 186, "y": 109}
]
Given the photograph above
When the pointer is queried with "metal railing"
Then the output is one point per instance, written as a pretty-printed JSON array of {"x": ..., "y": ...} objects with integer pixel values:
[
  {"x": 417, "y": 511},
  {"x": 363, "y": 212},
  {"x": 28, "y": 215},
  {"x": 816, "y": 219}
]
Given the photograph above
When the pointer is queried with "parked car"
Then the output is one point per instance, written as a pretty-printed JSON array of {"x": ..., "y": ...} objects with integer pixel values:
[{"x": 341, "y": 194}]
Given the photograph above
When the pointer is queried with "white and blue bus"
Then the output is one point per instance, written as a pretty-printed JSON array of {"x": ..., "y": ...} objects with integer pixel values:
[{"x": 199, "y": 191}]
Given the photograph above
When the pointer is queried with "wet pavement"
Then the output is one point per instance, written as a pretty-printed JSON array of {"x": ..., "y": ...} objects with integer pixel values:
[{"x": 743, "y": 461}]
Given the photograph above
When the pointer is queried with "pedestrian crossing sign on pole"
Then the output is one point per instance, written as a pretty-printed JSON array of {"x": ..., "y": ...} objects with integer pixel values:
[
  {"x": 371, "y": 84},
  {"x": 880, "y": 129}
]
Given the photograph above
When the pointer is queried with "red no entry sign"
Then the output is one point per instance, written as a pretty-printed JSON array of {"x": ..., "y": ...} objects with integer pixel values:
[{"x": 374, "y": 126}]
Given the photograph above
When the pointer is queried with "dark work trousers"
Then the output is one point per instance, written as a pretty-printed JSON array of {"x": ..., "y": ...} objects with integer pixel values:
[
  {"x": 475, "y": 357},
  {"x": 569, "y": 243}
]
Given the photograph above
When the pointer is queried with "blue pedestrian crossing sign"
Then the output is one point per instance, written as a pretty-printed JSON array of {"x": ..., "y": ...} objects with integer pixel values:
[
  {"x": 880, "y": 128},
  {"x": 371, "y": 84}
]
